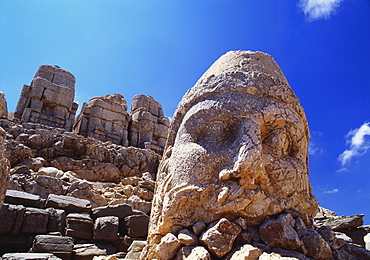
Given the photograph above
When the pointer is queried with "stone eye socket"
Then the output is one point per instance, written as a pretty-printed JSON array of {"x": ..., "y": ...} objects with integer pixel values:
[
  {"x": 279, "y": 140},
  {"x": 217, "y": 135}
]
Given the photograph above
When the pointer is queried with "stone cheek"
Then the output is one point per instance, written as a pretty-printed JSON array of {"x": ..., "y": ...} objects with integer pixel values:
[
  {"x": 104, "y": 118},
  {"x": 49, "y": 98}
]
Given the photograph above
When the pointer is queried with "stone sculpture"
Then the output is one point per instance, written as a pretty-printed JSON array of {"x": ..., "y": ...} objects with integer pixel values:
[
  {"x": 104, "y": 118},
  {"x": 237, "y": 148},
  {"x": 3, "y": 106},
  {"x": 148, "y": 127},
  {"x": 49, "y": 98}
]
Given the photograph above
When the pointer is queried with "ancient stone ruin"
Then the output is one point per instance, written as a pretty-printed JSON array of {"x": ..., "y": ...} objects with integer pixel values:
[
  {"x": 49, "y": 98},
  {"x": 232, "y": 182},
  {"x": 3, "y": 106},
  {"x": 148, "y": 127},
  {"x": 104, "y": 118},
  {"x": 4, "y": 167}
]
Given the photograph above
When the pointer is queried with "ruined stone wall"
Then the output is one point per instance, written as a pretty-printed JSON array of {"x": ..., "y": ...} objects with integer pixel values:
[
  {"x": 3, "y": 106},
  {"x": 49, "y": 98},
  {"x": 104, "y": 118},
  {"x": 148, "y": 127},
  {"x": 4, "y": 167}
]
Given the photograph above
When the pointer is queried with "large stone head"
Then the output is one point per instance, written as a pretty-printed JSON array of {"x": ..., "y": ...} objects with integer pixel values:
[{"x": 237, "y": 147}]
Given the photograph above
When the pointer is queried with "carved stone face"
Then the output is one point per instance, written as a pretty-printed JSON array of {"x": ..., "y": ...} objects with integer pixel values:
[{"x": 234, "y": 155}]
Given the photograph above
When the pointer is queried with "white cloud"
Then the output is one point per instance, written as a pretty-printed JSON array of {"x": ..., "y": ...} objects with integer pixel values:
[
  {"x": 319, "y": 9},
  {"x": 331, "y": 191},
  {"x": 359, "y": 143}
]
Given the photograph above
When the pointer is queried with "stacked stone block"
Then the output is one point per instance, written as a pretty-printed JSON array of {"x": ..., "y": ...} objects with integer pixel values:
[
  {"x": 49, "y": 98},
  {"x": 148, "y": 127},
  {"x": 104, "y": 118},
  {"x": 67, "y": 227}
]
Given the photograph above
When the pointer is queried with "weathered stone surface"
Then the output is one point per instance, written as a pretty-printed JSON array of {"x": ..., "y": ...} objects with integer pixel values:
[
  {"x": 344, "y": 222},
  {"x": 106, "y": 228},
  {"x": 57, "y": 245},
  {"x": 317, "y": 247},
  {"x": 3, "y": 106},
  {"x": 104, "y": 118},
  {"x": 246, "y": 252},
  {"x": 219, "y": 237},
  {"x": 276, "y": 233},
  {"x": 168, "y": 247},
  {"x": 187, "y": 238},
  {"x": 68, "y": 203},
  {"x": 148, "y": 127},
  {"x": 15, "y": 243},
  {"x": 4, "y": 166},
  {"x": 193, "y": 253},
  {"x": 199, "y": 227},
  {"x": 30, "y": 256},
  {"x": 120, "y": 210},
  {"x": 49, "y": 98},
  {"x": 246, "y": 158},
  {"x": 135, "y": 249},
  {"x": 88, "y": 251},
  {"x": 367, "y": 241},
  {"x": 35, "y": 221},
  {"x": 11, "y": 218},
  {"x": 137, "y": 225},
  {"x": 79, "y": 225},
  {"x": 57, "y": 220}
]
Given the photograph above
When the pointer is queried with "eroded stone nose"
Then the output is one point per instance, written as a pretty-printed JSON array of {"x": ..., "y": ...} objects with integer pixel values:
[{"x": 247, "y": 165}]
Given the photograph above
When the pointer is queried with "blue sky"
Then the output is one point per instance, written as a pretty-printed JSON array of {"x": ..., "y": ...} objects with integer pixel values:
[{"x": 161, "y": 48}]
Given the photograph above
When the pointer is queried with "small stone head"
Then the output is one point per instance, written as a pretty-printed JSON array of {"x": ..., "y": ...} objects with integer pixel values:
[{"x": 237, "y": 147}]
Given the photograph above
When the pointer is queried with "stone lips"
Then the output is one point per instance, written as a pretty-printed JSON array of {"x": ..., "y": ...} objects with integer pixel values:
[{"x": 237, "y": 143}]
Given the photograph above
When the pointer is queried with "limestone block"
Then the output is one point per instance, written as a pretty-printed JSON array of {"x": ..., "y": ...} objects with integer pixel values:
[
  {"x": 316, "y": 246},
  {"x": 4, "y": 167},
  {"x": 120, "y": 210},
  {"x": 104, "y": 118},
  {"x": 88, "y": 251},
  {"x": 35, "y": 221},
  {"x": 187, "y": 238},
  {"x": 220, "y": 236},
  {"x": 135, "y": 249},
  {"x": 79, "y": 225},
  {"x": 30, "y": 256},
  {"x": 22, "y": 198},
  {"x": 3, "y": 106},
  {"x": 137, "y": 225},
  {"x": 193, "y": 253},
  {"x": 345, "y": 222},
  {"x": 49, "y": 99},
  {"x": 106, "y": 228},
  {"x": 276, "y": 233},
  {"x": 168, "y": 247},
  {"x": 60, "y": 246},
  {"x": 57, "y": 220},
  {"x": 8, "y": 214},
  {"x": 68, "y": 203},
  {"x": 246, "y": 252},
  {"x": 147, "y": 123}
]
